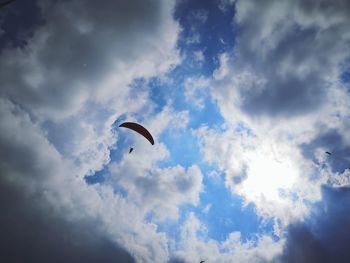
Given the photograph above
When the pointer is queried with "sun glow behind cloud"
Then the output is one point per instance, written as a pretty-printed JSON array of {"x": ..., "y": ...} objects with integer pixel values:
[{"x": 268, "y": 176}]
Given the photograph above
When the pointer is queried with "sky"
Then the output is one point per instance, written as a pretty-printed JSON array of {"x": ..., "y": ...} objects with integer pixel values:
[{"x": 243, "y": 99}]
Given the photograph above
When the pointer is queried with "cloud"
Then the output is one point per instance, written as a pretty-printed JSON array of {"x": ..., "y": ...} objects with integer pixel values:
[
  {"x": 324, "y": 236},
  {"x": 31, "y": 170},
  {"x": 62, "y": 92},
  {"x": 90, "y": 56},
  {"x": 194, "y": 246},
  {"x": 199, "y": 56},
  {"x": 46, "y": 187},
  {"x": 340, "y": 179},
  {"x": 31, "y": 231},
  {"x": 285, "y": 59},
  {"x": 278, "y": 91},
  {"x": 196, "y": 90},
  {"x": 332, "y": 141},
  {"x": 161, "y": 191},
  {"x": 271, "y": 174},
  {"x": 281, "y": 87},
  {"x": 60, "y": 95},
  {"x": 194, "y": 20},
  {"x": 311, "y": 249}
]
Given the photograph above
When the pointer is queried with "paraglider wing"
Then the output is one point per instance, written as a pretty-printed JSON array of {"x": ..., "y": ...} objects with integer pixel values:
[
  {"x": 139, "y": 129},
  {"x": 328, "y": 153}
]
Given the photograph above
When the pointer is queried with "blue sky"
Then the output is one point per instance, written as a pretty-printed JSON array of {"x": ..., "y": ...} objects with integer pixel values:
[{"x": 243, "y": 99}]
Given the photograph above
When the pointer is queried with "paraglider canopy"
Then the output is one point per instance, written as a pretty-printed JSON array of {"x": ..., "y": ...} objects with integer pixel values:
[{"x": 139, "y": 129}]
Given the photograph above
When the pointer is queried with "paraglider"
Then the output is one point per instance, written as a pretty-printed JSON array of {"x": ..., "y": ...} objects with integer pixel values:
[
  {"x": 6, "y": 3},
  {"x": 139, "y": 129},
  {"x": 328, "y": 153}
]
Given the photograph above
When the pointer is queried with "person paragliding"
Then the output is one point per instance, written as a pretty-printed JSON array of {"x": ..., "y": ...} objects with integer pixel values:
[{"x": 139, "y": 129}]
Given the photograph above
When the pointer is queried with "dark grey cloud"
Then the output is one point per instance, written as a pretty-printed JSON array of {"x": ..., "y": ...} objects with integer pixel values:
[
  {"x": 333, "y": 142},
  {"x": 293, "y": 51},
  {"x": 32, "y": 232},
  {"x": 68, "y": 56},
  {"x": 324, "y": 237},
  {"x": 289, "y": 93},
  {"x": 242, "y": 175},
  {"x": 18, "y": 22},
  {"x": 33, "y": 229},
  {"x": 177, "y": 260},
  {"x": 302, "y": 246}
]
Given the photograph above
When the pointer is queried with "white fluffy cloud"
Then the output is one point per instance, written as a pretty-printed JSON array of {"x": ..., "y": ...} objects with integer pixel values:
[
  {"x": 196, "y": 90},
  {"x": 158, "y": 190},
  {"x": 195, "y": 247}
]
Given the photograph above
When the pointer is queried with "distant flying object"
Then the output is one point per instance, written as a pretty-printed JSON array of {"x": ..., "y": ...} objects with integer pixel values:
[
  {"x": 6, "y": 3},
  {"x": 131, "y": 149},
  {"x": 328, "y": 153},
  {"x": 139, "y": 129},
  {"x": 202, "y": 261}
]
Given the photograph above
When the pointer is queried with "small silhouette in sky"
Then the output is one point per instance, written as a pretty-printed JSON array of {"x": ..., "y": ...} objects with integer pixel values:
[
  {"x": 6, "y": 3},
  {"x": 328, "y": 153},
  {"x": 131, "y": 149},
  {"x": 202, "y": 261}
]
